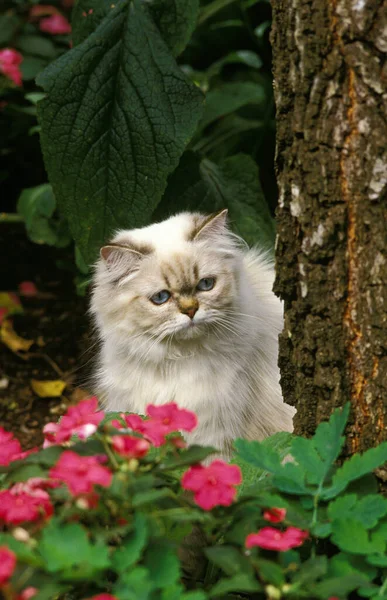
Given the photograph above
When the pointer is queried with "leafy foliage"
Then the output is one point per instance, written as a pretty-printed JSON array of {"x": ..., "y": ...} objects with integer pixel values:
[{"x": 130, "y": 541}]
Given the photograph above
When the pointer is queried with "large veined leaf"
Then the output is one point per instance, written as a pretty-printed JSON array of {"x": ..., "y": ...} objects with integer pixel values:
[
  {"x": 117, "y": 116},
  {"x": 176, "y": 19}
]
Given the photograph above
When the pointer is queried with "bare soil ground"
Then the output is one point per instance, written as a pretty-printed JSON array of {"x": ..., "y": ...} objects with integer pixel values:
[{"x": 56, "y": 320}]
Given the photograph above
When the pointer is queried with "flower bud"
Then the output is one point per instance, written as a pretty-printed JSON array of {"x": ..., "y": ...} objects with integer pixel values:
[{"x": 272, "y": 593}]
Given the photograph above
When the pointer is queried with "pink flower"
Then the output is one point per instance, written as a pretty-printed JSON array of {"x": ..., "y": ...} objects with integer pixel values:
[
  {"x": 9, "y": 64},
  {"x": 42, "y": 10},
  {"x": 81, "y": 420},
  {"x": 129, "y": 446},
  {"x": 172, "y": 418},
  {"x": 55, "y": 24},
  {"x": 275, "y": 515},
  {"x": 213, "y": 485},
  {"x": 269, "y": 538},
  {"x": 80, "y": 473},
  {"x": 148, "y": 429},
  {"x": 28, "y": 593},
  {"x": 20, "y": 504},
  {"x": 28, "y": 288},
  {"x": 9, "y": 447},
  {"x": 7, "y": 564}
]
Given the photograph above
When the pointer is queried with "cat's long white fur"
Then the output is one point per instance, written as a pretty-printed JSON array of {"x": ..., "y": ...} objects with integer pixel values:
[{"x": 225, "y": 370}]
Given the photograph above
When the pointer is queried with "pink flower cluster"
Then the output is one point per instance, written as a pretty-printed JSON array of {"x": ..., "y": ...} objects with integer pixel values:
[
  {"x": 27, "y": 501},
  {"x": 213, "y": 485},
  {"x": 81, "y": 420},
  {"x": 10, "y": 448},
  {"x": 162, "y": 420},
  {"x": 54, "y": 22},
  {"x": 10, "y": 61},
  {"x": 270, "y": 538},
  {"x": 81, "y": 473},
  {"x": 7, "y": 564}
]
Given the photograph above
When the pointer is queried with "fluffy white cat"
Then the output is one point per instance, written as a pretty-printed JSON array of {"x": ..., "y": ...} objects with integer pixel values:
[{"x": 186, "y": 313}]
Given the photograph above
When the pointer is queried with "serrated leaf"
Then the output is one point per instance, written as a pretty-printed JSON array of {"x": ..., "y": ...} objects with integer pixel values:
[
  {"x": 134, "y": 585},
  {"x": 356, "y": 467},
  {"x": 109, "y": 147},
  {"x": 258, "y": 455},
  {"x": 132, "y": 546},
  {"x": 345, "y": 564},
  {"x": 310, "y": 570},
  {"x": 349, "y": 535},
  {"x": 368, "y": 510},
  {"x": 238, "y": 583},
  {"x": 291, "y": 480},
  {"x": 162, "y": 563},
  {"x": 229, "y": 559},
  {"x": 306, "y": 455},
  {"x": 328, "y": 440}
]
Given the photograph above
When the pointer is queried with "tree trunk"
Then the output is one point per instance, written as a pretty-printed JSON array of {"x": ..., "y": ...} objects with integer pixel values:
[{"x": 331, "y": 97}]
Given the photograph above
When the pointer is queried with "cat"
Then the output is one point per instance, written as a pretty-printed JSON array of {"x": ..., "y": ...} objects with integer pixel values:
[{"x": 186, "y": 313}]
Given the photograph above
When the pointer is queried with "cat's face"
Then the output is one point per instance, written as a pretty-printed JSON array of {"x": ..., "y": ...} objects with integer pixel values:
[{"x": 168, "y": 285}]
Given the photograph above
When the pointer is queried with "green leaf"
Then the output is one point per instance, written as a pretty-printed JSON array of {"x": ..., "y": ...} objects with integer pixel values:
[
  {"x": 258, "y": 455},
  {"x": 345, "y": 564},
  {"x": 32, "y": 66},
  {"x": 229, "y": 559},
  {"x": 151, "y": 496},
  {"x": 108, "y": 154},
  {"x": 66, "y": 549},
  {"x": 338, "y": 586},
  {"x": 238, "y": 583},
  {"x": 234, "y": 184},
  {"x": 379, "y": 560},
  {"x": 244, "y": 57},
  {"x": 162, "y": 563},
  {"x": 307, "y": 456},
  {"x": 24, "y": 553},
  {"x": 176, "y": 20},
  {"x": 349, "y": 535},
  {"x": 229, "y": 97},
  {"x": 310, "y": 570},
  {"x": 270, "y": 572},
  {"x": 201, "y": 185},
  {"x": 368, "y": 510},
  {"x": 193, "y": 454},
  {"x": 328, "y": 441},
  {"x": 37, "y": 205},
  {"x": 356, "y": 467},
  {"x": 36, "y": 45},
  {"x": 131, "y": 547},
  {"x": 9, "y": 24},
  {"x": 135, "y": 585}
]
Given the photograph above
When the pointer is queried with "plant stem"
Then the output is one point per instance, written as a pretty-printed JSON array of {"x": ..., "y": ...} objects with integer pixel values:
[
  {"x": 10, "y": 218},
  {"x": 212, "y": 9}
]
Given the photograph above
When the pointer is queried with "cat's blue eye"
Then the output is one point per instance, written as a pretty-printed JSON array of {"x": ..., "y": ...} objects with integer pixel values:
[
  {"x": 160, "y": 297},
  {"x": 206, "y": 284}
]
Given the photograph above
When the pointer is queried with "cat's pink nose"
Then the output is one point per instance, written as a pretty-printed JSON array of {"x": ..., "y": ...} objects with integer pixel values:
[{"x": 191, "y": 312}]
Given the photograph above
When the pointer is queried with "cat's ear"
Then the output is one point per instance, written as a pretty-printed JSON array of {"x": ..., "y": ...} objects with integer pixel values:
[
  {"x": 212, "y": 226},
  {"x": 121, "y": 260}
]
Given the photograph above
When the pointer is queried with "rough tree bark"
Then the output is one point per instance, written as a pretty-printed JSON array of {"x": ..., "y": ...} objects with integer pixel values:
[{"x": 330, "y": 77}]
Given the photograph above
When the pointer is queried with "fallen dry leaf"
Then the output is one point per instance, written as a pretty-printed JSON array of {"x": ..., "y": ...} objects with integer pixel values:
[
  {"x": 10, "y": 302},
  {"x": 10, "y": 338},
  {"x": 48, "y": 389}
]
